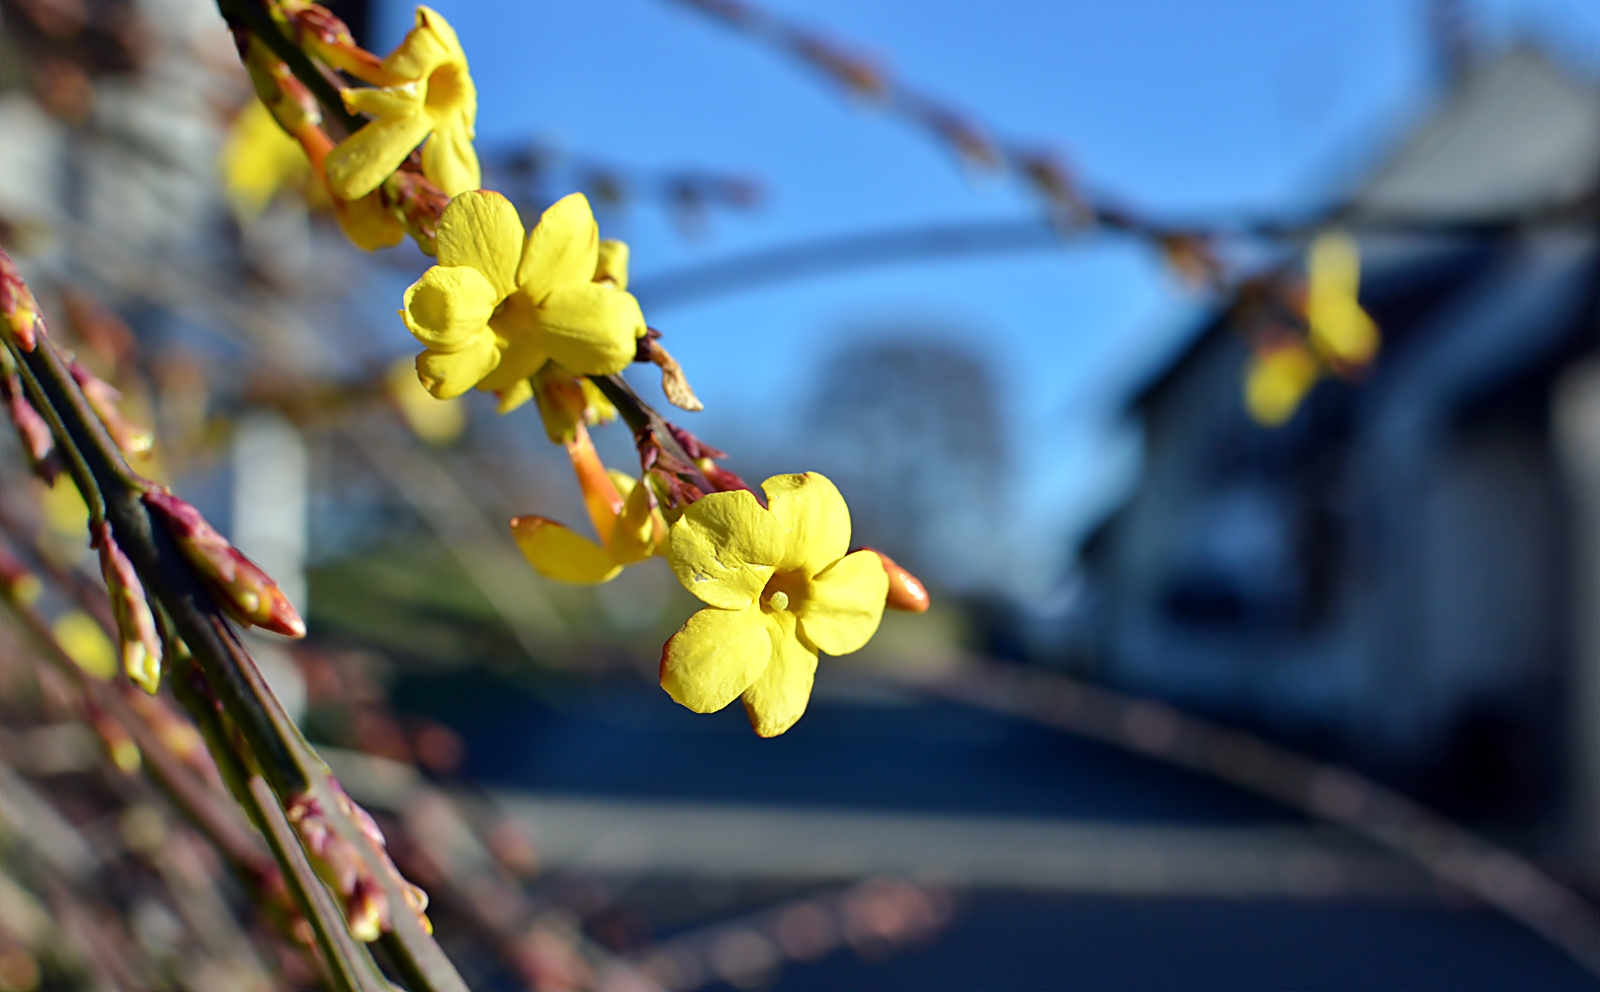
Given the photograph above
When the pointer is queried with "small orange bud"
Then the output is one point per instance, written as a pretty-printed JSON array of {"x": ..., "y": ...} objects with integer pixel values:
[{"x": 906, "y": 592}]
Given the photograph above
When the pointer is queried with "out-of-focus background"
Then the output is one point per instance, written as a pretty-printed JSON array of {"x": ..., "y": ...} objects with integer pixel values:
[{"x": 1401, "y": 581}]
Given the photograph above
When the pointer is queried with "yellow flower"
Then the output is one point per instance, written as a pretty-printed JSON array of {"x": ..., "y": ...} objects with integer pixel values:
[
  {"x": 431, "y": 94},
  {"x": 630, "y": 532},
  {"x": 1277, "y": 380},
  {"x": 498, "y": 305},
  {"x": 436, "y": 422},
  {"x": 85, "y": 643},
  {"x": 1341, "y": 331},
  {"x": 625, "y": 517},
  {"x": 780, "y": 587},
  {"x": 258, "y": 160}
]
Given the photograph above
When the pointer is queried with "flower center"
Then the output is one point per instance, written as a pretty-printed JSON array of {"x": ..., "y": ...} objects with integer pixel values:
[
  {"x": 445, "y": 90},
  {"x": 784, "y": 591}
]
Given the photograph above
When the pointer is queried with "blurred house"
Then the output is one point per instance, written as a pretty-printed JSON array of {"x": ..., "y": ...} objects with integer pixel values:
[{"x": 1398, "y": 576}]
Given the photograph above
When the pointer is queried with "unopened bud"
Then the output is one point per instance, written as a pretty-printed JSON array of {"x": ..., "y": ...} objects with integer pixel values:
[
  {"x": 104, "y": 399},
  {"x": 418, "y": 205},
  {"x": 906, "y": 592},
  {"x": 138, "y": 643},
  {"x": 120, "y": 746},
  {"x": 567, "y": 400},
  {"x": 20, "y": 319},
  {"x": 17, "y": 584},
  {"x": 248, "y": 594},
  {"x": 326, "y": 38},
  {"x": 333, "y": 857},
  {"x": 32, "y": 431},
  {"x": 367, "y": 911}
]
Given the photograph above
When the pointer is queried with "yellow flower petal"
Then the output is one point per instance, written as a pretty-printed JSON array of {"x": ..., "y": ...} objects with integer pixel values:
[
  {"x": 632, "y": 539},
  {"x": 715, "y": 656},
  {"x": 481, "y": 229},
  {"x": 562, "y": 250},
  {"x": 591, "y": 328},
  {"x": 360, "y": 163},
  {"x": 368, "y": 223},
  {"x": 447, "y": 376},
  {"x": 779, "y": 696},
  {"x": 513, "y": 396},
  {"x": 724, "y": 547},
  {"x": 613, "y": 264},
  {"x": 258, "y": 160},
  {"x": 1276, "y": 382},
  {"x": 814, "y": 518},
  {"x": 1339, "y": 327},
  {"x": 1335, "y": 265},
  {"x": 1342, "y": 330},
  {"x": 557, "y": 553},
  {"x": 519, "y": 359},
  {"x": 434, "y": 421},
  {"x": 449, "y": 308},
  {"x": 845, "y": 604},
  {"x": 429, "y": 44},
  {"x": 452, "y": 163},
  {"x": 404, "y": 100}
]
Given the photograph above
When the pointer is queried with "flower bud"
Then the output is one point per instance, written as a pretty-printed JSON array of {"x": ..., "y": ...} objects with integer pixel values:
[
  {"x": 139, "y": 646},
  {"x": 246, "y": 592},
  {"x": 20, "y": 320},
  {"x": 366, "y": 911},
  {"x": 906, "y": 592},
  {"x": 339, "y": 862},
  {"x": 17, "y": 584},
  {"x": 32, "y": 431},
  {"x": 418, "y": 206},
  {"x": 566, "y": 400},
  {"x": 103, "y": 399},
  {"x": 325, "y": 37}
]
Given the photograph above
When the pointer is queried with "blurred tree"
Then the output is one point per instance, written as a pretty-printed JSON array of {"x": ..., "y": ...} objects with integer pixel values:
[{"x": 908, "y": 425}]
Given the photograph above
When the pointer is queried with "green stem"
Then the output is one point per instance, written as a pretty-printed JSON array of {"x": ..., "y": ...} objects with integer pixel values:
[{"x": 349, "y": 966}]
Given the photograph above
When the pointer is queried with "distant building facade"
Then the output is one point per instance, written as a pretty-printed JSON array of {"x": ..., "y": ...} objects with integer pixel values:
[{"x": 1401, "y": 575}]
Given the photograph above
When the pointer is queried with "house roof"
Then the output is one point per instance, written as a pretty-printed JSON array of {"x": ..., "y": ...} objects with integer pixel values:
[{"x": 1517, "y": 136}]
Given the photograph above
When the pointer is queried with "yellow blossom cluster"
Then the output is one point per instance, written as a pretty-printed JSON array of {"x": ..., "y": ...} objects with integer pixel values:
[
  {"x": 543, "y": 314},
  {"x": 1340, "y": 336}
]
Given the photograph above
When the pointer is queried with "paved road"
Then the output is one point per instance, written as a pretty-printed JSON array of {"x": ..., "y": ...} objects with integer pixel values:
[{"x": 894, "y": 783}]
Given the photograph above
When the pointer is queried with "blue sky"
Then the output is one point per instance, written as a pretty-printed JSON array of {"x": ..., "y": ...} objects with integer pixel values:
[{"x": 1178, "y": 107}]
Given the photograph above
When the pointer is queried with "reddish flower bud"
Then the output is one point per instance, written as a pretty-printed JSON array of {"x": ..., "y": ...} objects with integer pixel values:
[
  {"x": 19, "y": 311},
  {"x": 138, "y": 643},
  {"x": 366, "y": 911},
  {"x": 246, "y": 592},
  {"x": 103, "y": 399},
  {"x": 17, "y": 584},
  {"x": 32, "y": 431}
]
